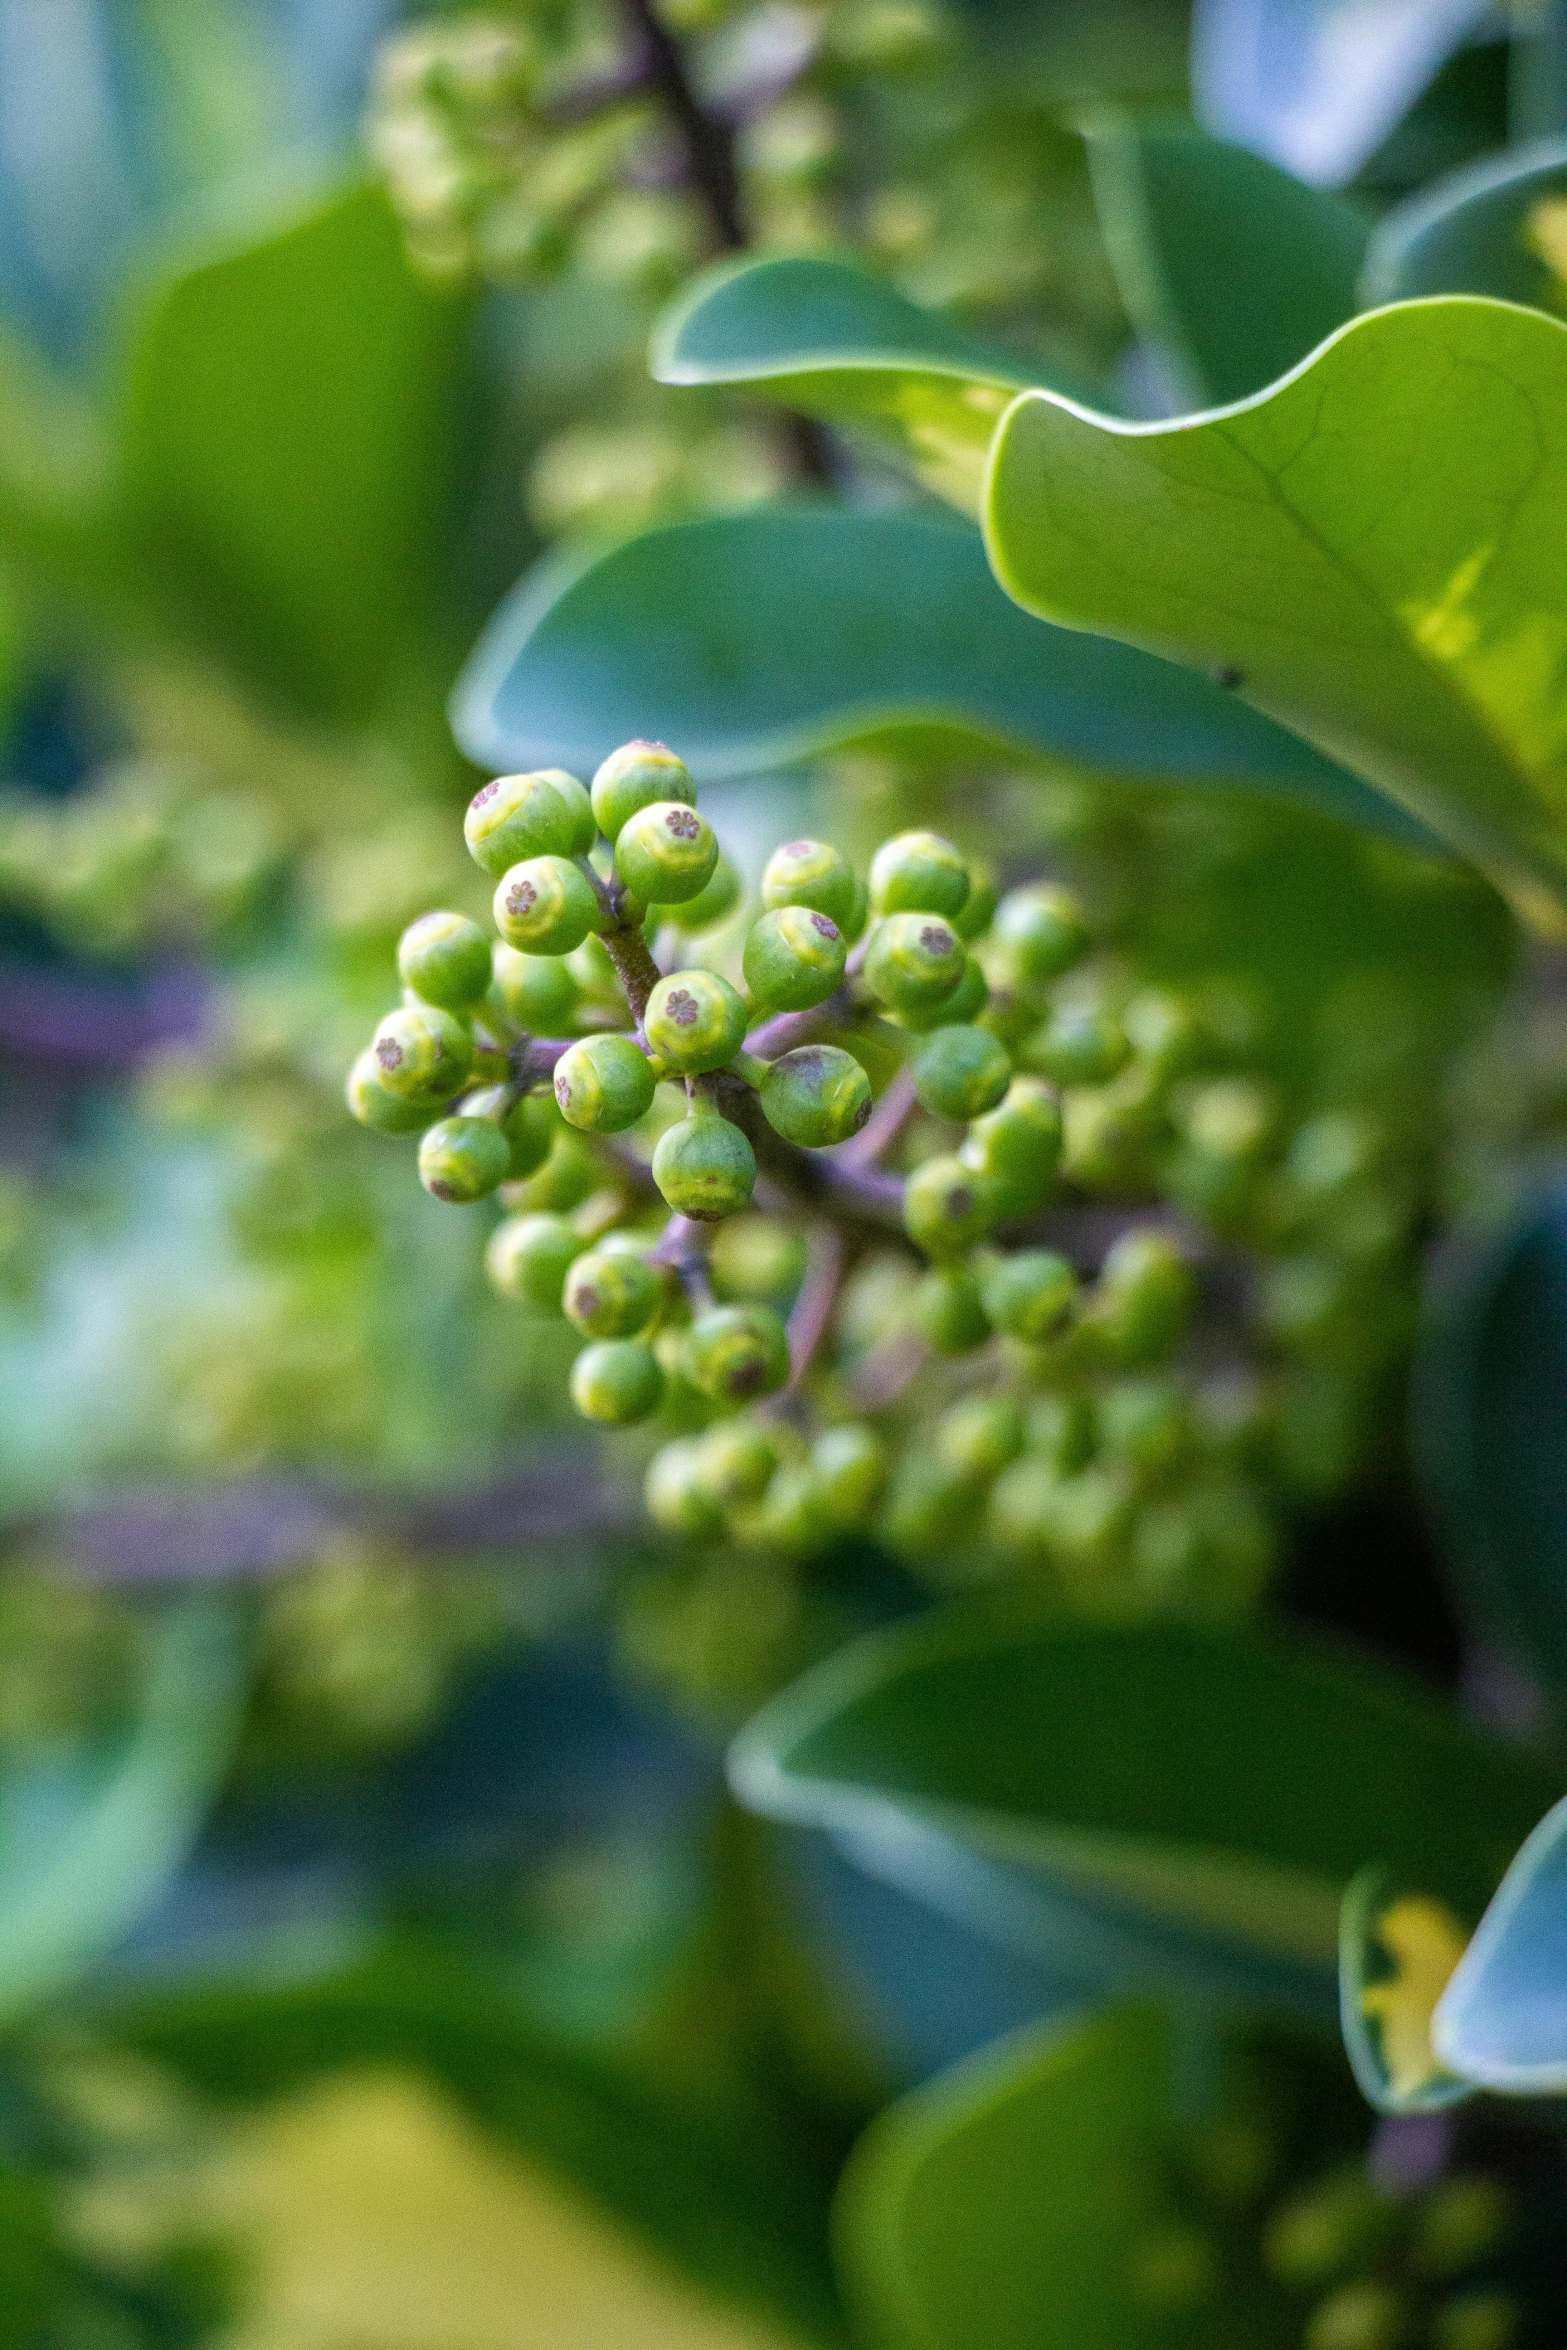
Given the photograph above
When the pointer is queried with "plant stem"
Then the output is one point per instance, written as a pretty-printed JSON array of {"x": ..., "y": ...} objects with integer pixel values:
[{"x": 812, "y": 1311}]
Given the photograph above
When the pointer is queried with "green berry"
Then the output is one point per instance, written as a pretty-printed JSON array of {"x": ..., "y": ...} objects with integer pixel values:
[
  {"x": 695, "y": 1022},
  {"x": 966, "y": 1002},
  {"x": 918, "y": 873},
  {"x": 579, "y": 807},
  {"x": 568, "y": 1176},
  {"x": 463, "y": 1159},
  {"x": 736, "y": 1353},
  {"x": 946, "y": 1207},
  {"x": 757, "y": 1256},
  {"x": 1020, "y": 1515},
  {"x": 617, "y": 1381},
  {"x": 530, "y": 1130},
  {"x": 976, "y": 1438},
  {"x": 974, "y": 917},
  {"x": 529, "y": 1257},
  {"x": 634, "y": 777},
  {"x": 948, "y": 1313},
  {"x": 1028, "y": 1294},
  {"x": 445, "y": 959},
  {"x": 1039, "y": 932},
  {"x": 383, "y": 1112},
  {"x": 537, "y": 992},
  {"x": 666, "y": 853},
  {"x": 516, "y": 817},
  {"x": 1146, "y": 1426},
  {"x": 545, "y": 906},
  {"x": 422, "y": 1050},
  {"x": 704, "y": 1166},
  {"x": 1164, "y": 1031},
  {"x": 789, "y": 1515},
  {"x": 711, "y": 905},
  {"x": 928, "y": 1510},
  {"x": 603, "y": 1084},
  {"x": 1080, "y": 1044},
  {"x": 849, "y": 1464},
  {"x": 1365, "y": 2314},
  {"x": 815, "y": 1096},
  {"x": 677, "y": 1497},
  {"x": 793, "y": 959},
  {"x": 960, "y": 1072},
  {"x": 1145, "y": 1297},
  {"x": 1017, "y": 1145},
  {"x": 913, "y": 961},
  {"x": 612, "y": 1293},
  {"x": 736, "y": 1461},
  {"x": 811, "y": 873}
]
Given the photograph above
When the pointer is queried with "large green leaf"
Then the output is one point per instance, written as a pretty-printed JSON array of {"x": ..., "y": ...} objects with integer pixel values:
[
  {"x": 1156, "y": 1800},
  {"x": 1002, "y": 2205},
  {"x": 1496, "y": 228},
  {"x": 1233, "y": 269},
  {"x": 752, "y": 640},
  {"x": 1371, "y": 551},
  {"x": 285, "y": 444},
  {"x": 828, "y": 339},
  {"x": 82, "y": 1860}
]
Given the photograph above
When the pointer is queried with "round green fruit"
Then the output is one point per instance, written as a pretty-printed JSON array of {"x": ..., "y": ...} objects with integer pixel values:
[
  {"x": 977, "y": 1437},
  {"x": 816, "y": 1096},
  {"x": 445, "y": 959},
  {"x": 964, "y": 1005},
  {"x": 849, "y": 1464},
  {"x": 463, "y": 1159},
  {"x": 422, "y": 1050},
  {"x": 711, "y": 905},
  {"x": 537, "y": 992},
  {"x": 603, "y": 1084},
  {"x": 617, "y": 1381},
  {"x": 1080, "y": 1044},
  {"x": 531, "y": 1130},
  {"x": 529, "y": 1257},
  {"x": 736, "y": 1461},
  {"x": 545, "y": 906},
  {"x": 948, "y": 1313},
  {"x": 516, "y": 817},
  {"x": 612, "y": 1293},
  {"x": 1017, "y": 1145},
  {"x": 793, "y": 959},
  {"x": 634, "y": 777},
  {"x": 974, "y": 917},
  {"x": 704, "y": 1167},
  {"x": 1028, "y": 1294},
  {"x": 946, "y": 1207},
  {"x": 666, "y": 853},
  {"x": 676, "y": 1494},
  {"x": 383, "y": 1112},
  {"x": 736, "y": 1353},
  {"x": 960, "y": 1072},
  {"x": 813, "y": 874},
  {"x": 1039, "y": 932},
  {"x": 695, "y": 1022},
  {"x": 579, "y": 807},
  {"x": 918, "y": 873},
  {"x": 1145, "y": 1297},
  {"x": 913, "y": 961}
]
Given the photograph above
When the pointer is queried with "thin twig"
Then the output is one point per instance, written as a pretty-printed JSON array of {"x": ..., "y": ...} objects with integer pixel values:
[
  {"x": 710, "y": 147},
  {"x": 882, "y": 1374},
  {"x": 811, "y": 1315},
  {"x": 682, "y": 1246},
  {"x": 881, "y": 1127}
]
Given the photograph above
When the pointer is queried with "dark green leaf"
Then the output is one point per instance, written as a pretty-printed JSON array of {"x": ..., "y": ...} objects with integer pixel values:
[
  {"x": 755, "y": 639},
  {"x": 1421, "y": 638},
  {"x": 1499, "y": 228}
]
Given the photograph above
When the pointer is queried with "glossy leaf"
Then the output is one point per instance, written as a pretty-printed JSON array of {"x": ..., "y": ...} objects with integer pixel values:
[
  {"x": 1502, "y": 2020},
  {"x": 1318, "y": 84},
  {"x": 1498, "y": 228},
  {"x": 1001, "y": 2204},
  {"x": 1230, "y": 267},
  {"x": 1397, "y": 1951},
  {"x": 1138, "y": 1801},
  {"x": 828, "y": 339},
  {"x": 82, "y": 1861},
  {"x": 284, "y": 446},
  {"x": 1294, "y": 540},
  {"x": 752, "y": 640}
]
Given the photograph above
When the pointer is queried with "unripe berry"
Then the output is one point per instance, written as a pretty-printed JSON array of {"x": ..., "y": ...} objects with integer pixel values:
[
  {"x": 617, "y": 1381},
  {"x": 965, "y": 1003},
  {"x": 676, "y": 1495},
  {"x": 815, "y": 1096},
  {"x": 516, "y": 817},
  {"x": 545, "y": 906},
  {"x": 666, "y": 853},
  {"x": 1146, "y": 1425},
  {"x": 1365, "y": 2314},
  {"x": 757, "y": 1256},
  {"x": 704, "y": 1167},
  {"x": 960, "y": 1072},
  {"x": 927, "y": 1509},
  {"x": 849, "y": 1464},
  {"x": 793, "y": 958},
  {"x": 948, "y": 1313},
  {"x": 529, "y": 1257},
  {"x": 1020, "y": 1515},
  {"x": 736, "y": 1461},
  {"x": 634, "y": 777},
  {"x": 913, "y": 961},
  {"x": 422, "y": 1051},
  {"x": 568, "y": 1176},
  {"x": 611, "y": 1293},
  {"x": 579, "y": 807},
  {"x": 1145, "y": 1297},
  {"x": 1080, "y": 1044},
  {"x": 695, "y": 1021},
  {"x": 789, "y": 1515},
  {"x": 445, "y": 959},
  {"x": 918, "y": 873},
  {"x": 813, "y": 874},
  {"x": 463, "y": 1159},
  {"x": 603, "y": 1084},
  {"x": 977, "y": 911},
  {"x": 1163, "y": 1030},
  {"x": 1017, "y": 1145},
  {"x": 1029, "y": 1293},
  {"x": 736, "y": 1353},
  {"x": 711, "y": 905},
  {"x": 535, "y": 991},
  {"x": 383, "y": 1112},
  {"x": 976, "y": 1438},
  {"x": 1039, "y": 932},
  {"x": 530, "y": 1130},
  {"x": 946, "y": 1207}
]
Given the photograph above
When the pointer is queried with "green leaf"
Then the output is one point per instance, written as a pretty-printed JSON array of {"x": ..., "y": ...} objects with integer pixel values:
[
  {"x": 1153, "y": 1799},
  {"x": 1397, "y": 1949},
  {"x": 1002, "y": 2205},
  {"x": 1499, "y": 227},
  {"x": 752, "y": 640},
  {"x": 71, "y": 1890},
  {"x": 1230, "y": 267},
  {"x": 831, "y": 341},
  {"x": 285, "y": 443},
  {"x": 1371, "y": 550}
]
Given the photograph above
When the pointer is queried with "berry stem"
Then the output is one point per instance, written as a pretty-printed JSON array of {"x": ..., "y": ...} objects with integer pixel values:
[
  {"x": 886, "y": 1370},
  {"x": 682, "y": 1246},
  {"x": 883, "y": 1124},
  {"x": 811, "y": 1315},
  {"x": 632, "y": 957}
]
